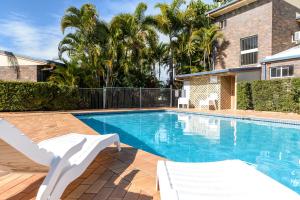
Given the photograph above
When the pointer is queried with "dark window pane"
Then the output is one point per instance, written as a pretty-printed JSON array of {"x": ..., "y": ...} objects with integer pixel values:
[
  {"x": 273, "y": 72},
  {"x": 255, "y": 57},
  {"x": 249, "y": 43},
  {"x": 285, "y": 71},
  {"x": 249, "y": 58},
  {"x": 291, "y": 70},
  {"x": 278, "y": 72}
]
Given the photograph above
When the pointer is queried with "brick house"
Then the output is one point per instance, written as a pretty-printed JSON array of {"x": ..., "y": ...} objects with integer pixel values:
[
  {"x": 14, "y": 67},
  {"x": 259, "y": 43}
]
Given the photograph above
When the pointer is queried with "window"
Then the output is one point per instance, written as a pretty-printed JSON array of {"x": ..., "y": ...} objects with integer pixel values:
[
  {"x": 249, "y": 50},
  {"x": 282, "y": 71},
  {"x": 223, "y": 24}
]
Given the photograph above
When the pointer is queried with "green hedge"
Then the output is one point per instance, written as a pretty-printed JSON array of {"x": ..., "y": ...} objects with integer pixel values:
[
  {"x": 30, "y": 96},
  {"x": 244, "y": 98},
  {"x": 282, "y": 95}
]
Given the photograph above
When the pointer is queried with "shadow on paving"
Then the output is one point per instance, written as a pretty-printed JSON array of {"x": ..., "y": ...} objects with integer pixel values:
[{"x": 110, "y": 176}]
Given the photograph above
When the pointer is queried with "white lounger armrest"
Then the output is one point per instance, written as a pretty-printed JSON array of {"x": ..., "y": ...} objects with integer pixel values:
[
  {"x": 81, "y": 160},
  {"x": 60, "y": 163}
]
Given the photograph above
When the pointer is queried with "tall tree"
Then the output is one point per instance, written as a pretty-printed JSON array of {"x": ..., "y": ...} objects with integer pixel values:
[
  {"x": 118, "y": 53},
  {"x": 160, "y": 54},
  {"x": 169, "y": 22},
  {"x": 221, "y": 2},
  {"x": 84, "y": 43},
  {"x": 207, "y": 38},
  {"x": 66, "y": 75}
]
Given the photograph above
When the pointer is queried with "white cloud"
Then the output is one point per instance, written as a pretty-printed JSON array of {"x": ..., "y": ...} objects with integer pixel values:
[{"x": 22, "y": 36}]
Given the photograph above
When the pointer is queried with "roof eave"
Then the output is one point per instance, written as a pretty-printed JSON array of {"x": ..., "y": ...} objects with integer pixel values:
[
  {"x": 280, "y": 59},
  {"x": 218, "y": 72},
  {"x": 232, "y": 5},
  {"x": 41, "y": 61}
]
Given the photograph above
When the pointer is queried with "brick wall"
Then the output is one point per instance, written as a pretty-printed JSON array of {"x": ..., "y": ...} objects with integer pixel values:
[
  {"x": 26, "y": 73},
  {"x": 284, "y": 25},
  {"x": 253, "y": 19},
  {"x": 272, "y": 20}
]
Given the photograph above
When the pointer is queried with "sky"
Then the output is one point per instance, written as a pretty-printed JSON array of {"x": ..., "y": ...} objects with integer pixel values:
[{"x": 31, "y": 27}]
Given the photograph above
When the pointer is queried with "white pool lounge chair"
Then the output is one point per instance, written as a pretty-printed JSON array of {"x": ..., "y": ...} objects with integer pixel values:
[
  {"x": 59, "y": 153},
  {"x": 224, "y": 180}
]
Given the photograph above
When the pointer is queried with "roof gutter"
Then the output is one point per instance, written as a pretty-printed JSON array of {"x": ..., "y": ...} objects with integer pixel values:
[
  {"x": 41, "y": 61},
  {"x": 228, "y": 7},
  {"x": 221, "y": 71},
  {"x": 267, "y": 60}
]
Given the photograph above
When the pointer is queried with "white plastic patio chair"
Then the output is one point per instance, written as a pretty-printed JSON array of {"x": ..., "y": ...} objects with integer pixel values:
[
  {"x": 210, "y": 101},
  {"x": 184, "y": 101},
  {"x": 57, "y": 153},
  {"x": 223, "y": 180}
]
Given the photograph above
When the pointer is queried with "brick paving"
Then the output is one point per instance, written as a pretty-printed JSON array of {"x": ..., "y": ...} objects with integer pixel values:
[{"x": 126, "y": 175}]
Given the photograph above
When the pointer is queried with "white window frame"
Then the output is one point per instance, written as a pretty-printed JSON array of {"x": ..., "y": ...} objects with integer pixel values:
[
  {"x": 281, "y": 68},
  {"x": 249, "y": 51}
]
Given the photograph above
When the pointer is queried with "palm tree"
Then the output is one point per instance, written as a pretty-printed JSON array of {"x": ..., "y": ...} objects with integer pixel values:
[
  {"x": 207, "y": 38},
  {"x": 13, "y": 62},
  {"x": 66, "y": 75},
  {"x": 221, "y": 2},
  {"x": 137, "y": 36},
  {"x": 169, "y": 22},
  {"x": 160, "y": 53},
  {"x": 83, "y": 19},
  {"x": 85, "y": 43}
]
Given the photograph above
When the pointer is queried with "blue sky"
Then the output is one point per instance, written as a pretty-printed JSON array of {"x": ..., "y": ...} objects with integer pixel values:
[{"x": 31, "y": 27}]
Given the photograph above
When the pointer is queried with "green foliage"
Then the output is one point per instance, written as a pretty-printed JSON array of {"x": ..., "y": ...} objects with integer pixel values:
[
  {"x": 30, "y": 96},
  {"x": 282, "y": 95},
  {"x": 222, "y": 2},
  {"x": 244, "y": 98},
  {"x": 103, "y": 53},
  {"x": 180, "y": 26}
]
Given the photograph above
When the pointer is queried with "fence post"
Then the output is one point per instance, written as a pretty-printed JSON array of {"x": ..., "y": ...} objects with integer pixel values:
[
  {"x": 104, "y": 97},
  {"x": 171, "y": 96},
  {"x": 140, "y": 97}
]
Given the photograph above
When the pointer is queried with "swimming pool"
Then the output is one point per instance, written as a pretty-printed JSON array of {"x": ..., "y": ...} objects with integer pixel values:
[{"x": 274, "y": 148}]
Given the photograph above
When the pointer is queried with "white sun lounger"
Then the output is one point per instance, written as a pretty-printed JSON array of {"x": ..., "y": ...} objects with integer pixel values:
[
  {"x": 59, "y": 154},
  {"x": 224, "y": 180}
]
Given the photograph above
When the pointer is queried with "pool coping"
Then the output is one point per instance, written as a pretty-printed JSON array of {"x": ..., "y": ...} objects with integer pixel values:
[{"x": 262, "y": 119}]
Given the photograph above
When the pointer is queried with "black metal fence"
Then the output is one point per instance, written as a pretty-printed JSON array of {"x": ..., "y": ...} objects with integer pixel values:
[{"x": 124, "y": 97}]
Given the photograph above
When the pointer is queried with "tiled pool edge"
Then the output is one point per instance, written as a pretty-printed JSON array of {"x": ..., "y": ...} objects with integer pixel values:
[
  {"x": 117, "y": 112},
  {"x": 232, "y": 116},
  {"x": 262, "y": 119}
]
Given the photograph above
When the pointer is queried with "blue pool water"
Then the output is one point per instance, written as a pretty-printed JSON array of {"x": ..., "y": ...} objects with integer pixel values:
[{"x": 273, "y": 148}]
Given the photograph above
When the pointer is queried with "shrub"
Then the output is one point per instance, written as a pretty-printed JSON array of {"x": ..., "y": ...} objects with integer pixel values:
[
  {"x": 244, "y": 98},
  {"x": 282, "y": 95},
  {"x": 273, "y": 95},
  {"x": 30, "y": 96}
]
